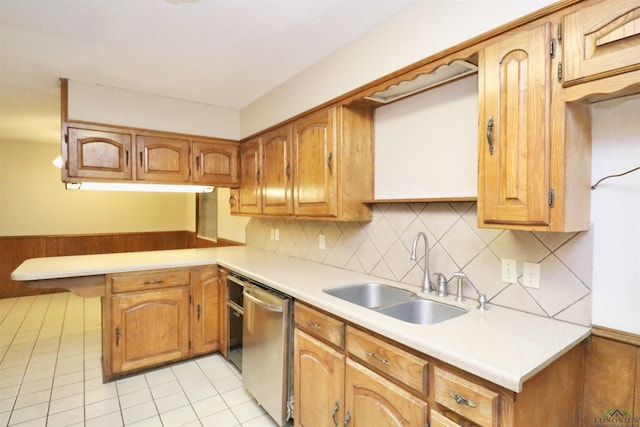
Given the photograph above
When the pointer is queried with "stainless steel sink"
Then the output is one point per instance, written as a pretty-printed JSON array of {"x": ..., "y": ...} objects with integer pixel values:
[
  {"x": 422, "y": 311},
  {"x": 372, "y": 295}
]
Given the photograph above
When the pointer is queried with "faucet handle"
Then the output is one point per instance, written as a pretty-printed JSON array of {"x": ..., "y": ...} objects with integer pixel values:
[{"x": 442, "y": 281}]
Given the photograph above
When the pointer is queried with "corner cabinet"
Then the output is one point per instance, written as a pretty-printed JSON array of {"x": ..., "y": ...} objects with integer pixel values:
[
  {"x": 346, "y": 375},
  {"x": 602, "y": 38},
  {"x": 529, "y": 165},
  {"x": 317, "y": 167},
  {"x": 118, "y": 154},
  {"x": 156, "y": 317}
]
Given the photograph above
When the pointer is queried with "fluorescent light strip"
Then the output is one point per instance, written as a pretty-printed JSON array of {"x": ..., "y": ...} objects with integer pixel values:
[{"x": 154, "y": 188}]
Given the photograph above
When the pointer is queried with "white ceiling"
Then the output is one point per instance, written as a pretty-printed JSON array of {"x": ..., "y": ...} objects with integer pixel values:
[{"x": 220, "y": 52}]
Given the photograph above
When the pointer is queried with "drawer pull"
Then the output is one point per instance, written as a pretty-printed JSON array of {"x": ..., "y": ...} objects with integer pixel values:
[
  {"x": 377, "y": 358},
  {"x": 153, "y": 282},
  {"x": 461, "y": 400},
  {"x": 334, "y": 412},
  {"x": 312, "y": 324}
]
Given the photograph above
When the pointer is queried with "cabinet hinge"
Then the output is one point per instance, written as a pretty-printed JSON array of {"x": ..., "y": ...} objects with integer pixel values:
[
  {"x": 66, "y": 138},
  {"x": 559, "y": 33},
  {"x": 189, "y": 299},
  {"x": 552, "y": 197},
  {"x": 552, "y": 48},
  {"x": 560, "y": 72}
]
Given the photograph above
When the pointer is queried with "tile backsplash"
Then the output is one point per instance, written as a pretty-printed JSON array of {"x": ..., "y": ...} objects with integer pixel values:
[{"x": 382, "y": 248}]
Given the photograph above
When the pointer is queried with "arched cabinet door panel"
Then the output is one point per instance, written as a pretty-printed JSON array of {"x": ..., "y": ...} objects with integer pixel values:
[
  {"x": 601, "y": 38},
  {"x": 98, "y": 154}
]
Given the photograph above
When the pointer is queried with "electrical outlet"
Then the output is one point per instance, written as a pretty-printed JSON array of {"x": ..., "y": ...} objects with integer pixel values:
[
  {"x": 509, "y": 271},
  {"x": 277, "y": 234},
  {"x": 322, "y": 242},
  {"x": 531, "y": 275}
]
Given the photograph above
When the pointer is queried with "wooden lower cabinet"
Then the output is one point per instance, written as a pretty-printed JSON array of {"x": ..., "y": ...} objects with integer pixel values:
[
  {"x": 364, "y": 379},
  {"x": 149, "y": 328},
  {"x": 150, "y": 318},
  {"x": 371, "y": 400},
  {"x": 318, "y": 383}
]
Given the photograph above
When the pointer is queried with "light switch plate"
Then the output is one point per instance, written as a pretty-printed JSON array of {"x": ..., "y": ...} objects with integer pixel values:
[
  {"x": 272, "y": 233},
  {"x": 509, "y": 271},
  {"x": 531, "y": 275},
  {"x": 277, "y": 234}
]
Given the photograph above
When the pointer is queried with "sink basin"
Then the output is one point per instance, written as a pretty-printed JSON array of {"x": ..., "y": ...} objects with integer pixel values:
[
  {"x": 372, "y": 295},
  {"x": 422, "y": 311}
]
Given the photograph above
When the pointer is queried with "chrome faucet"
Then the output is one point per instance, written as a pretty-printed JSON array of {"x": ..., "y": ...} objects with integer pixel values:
[{"x": 427, "y": 286}]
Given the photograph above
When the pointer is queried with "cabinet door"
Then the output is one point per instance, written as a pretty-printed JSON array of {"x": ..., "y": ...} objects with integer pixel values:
[
  {"x": 315, "y": 164},
  {"x": 514, "y": 143},
  {"x": 99, "y": 154},
  {"x": 276, "y": 176},
  {"x": 162, "y": 159},
  {"x": 318, "y": 383},
  {"x": 215, "y": 163},
  {"x": 249, "y": 195},
  {"x": 601, "y": 39},
  {"x": 370, "y": 400},
  {"x": 149, "y": 328},
  {"x": 206, "y": 310}
]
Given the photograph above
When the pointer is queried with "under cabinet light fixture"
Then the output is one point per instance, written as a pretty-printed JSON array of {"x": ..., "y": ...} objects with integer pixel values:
[
  {"x": 153, "y": 188},
  {"x": 440, "y": 75}
]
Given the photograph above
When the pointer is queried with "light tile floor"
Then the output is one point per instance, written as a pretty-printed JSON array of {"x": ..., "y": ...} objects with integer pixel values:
[{"x": 50, "y": 375}]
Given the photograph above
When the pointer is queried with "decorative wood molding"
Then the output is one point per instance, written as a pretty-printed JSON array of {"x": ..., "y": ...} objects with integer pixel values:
[{"x": 616, "y": 335}]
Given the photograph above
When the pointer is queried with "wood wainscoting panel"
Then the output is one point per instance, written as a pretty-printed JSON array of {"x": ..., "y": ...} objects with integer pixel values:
[
  {"x": 16, "y": 249},
  {"x": 612, "y": 380}
]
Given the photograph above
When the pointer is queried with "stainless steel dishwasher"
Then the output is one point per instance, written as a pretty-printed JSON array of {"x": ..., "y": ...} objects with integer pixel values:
[{"x": 266, "y": 349}]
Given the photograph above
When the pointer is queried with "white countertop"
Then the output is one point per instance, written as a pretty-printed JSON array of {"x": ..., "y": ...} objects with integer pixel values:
[{"x": 504, "y": 346}]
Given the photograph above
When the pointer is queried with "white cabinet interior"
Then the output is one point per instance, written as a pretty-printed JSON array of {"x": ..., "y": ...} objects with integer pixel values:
[{"x": 426, "y": 145}]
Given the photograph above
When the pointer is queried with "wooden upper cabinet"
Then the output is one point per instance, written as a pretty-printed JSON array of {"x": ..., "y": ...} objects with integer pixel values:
[
  {"x": 277, "y": 174},
  {"x": 215, "y": 163},
  {"x": 249, "y": 195},
  {"x": 98, "y": 154},
  {"x": 162, "y": 159},
  {"x": 601, "y": 38},
  {"x": 514, "y": 129},
  {"x": 315, "y": 159}
]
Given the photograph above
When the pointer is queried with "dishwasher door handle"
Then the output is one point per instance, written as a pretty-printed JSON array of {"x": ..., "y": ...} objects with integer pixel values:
[{"x": 265, "y": 305}]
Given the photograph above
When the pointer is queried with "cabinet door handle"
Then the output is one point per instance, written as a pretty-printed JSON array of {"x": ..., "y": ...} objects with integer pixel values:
[
  {"x": 117, "y": 335},
  {"x": 153, "y": 282},
  {"x": 198, "y": 164},
  {"x": 288, "y": 170},
  {"x": 141, "y": 159},
  {"x": 461, "y": 400},
  {"x": 347, "y": 418},
  {"x": 334, "y": 412},
  {"x": 489, "y": 136},
  {"x": 258, "y": 176},
  {"x": 126, "y": 157},
  {"x": 312, "y": 324},
  {"x": 329, "y": 158},
  {"x": 198, "y": 312},
  {"x": 377, "y": 358},
  {"x": 233, "y": 199}
]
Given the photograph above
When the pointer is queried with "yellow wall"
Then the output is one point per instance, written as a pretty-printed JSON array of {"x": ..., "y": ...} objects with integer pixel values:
[{"x": 33, "y": 200}]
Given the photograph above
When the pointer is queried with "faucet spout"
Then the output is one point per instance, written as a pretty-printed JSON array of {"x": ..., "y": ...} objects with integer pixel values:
[{"x": 426, "y": 282}]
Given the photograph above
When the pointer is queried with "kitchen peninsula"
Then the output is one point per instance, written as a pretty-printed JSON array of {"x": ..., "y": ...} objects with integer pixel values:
[{"x": 503, "y": 348}]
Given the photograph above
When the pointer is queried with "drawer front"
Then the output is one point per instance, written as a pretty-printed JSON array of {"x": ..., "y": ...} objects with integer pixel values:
[
  {"x": 388, "y": 359},
  {"x": 146, "y": 280},
  {"x": 319, "y": 325},
  {"x": 439, "y": 420},
  {"x": 466, "y": 398}
]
